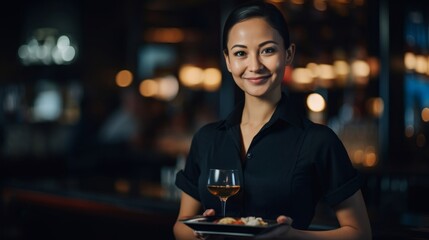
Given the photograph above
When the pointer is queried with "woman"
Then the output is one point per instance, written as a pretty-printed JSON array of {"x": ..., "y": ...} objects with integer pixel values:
[{"x": 287, "y": 163}]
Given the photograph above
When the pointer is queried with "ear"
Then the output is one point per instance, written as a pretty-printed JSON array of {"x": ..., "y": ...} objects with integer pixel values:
[
  {"x": 228, "y": 65},
  {"x": 290, "y": 53}
]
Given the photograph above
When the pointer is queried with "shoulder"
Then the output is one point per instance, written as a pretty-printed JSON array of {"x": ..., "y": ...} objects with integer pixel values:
[
  {"x": 209, "y": 129},
  {"x": 319, "y": 133}
]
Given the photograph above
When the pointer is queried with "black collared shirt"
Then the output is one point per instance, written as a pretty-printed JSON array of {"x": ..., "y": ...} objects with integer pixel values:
[{"x": 290, "y": 165}]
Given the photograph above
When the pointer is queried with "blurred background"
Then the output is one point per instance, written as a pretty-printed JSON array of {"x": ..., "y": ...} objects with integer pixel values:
[{"x": 99, "y": 101}]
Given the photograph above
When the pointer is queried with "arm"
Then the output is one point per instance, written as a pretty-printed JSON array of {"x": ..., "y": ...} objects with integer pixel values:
[
  {"x": 188, "y": 207},
  {"x": 352, "y": 217}
]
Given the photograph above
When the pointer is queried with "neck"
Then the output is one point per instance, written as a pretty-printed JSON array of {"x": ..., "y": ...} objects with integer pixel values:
[{"x": 258, "y": 111}]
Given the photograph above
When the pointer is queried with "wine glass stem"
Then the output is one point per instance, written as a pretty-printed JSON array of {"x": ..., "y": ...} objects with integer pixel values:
[{"x": 223, "y": 203}]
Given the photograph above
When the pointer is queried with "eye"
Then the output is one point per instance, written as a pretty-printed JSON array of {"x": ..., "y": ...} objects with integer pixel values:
[
  {"x": 240, "y": 54},
  {"x": 269, "y": 50}
]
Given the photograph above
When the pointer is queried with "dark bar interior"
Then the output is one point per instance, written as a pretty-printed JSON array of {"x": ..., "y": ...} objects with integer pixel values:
[{"x": 99, "y": 101}]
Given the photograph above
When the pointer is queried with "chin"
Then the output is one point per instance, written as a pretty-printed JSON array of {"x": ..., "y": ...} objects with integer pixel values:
[{"x": 259, "y": 94}]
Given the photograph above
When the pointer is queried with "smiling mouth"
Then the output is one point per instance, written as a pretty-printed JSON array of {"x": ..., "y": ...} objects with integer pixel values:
[{"x": 257, "y": 80}]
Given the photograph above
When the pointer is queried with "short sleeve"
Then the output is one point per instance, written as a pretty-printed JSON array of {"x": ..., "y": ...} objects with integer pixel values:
[
  {"x": 337, "y": 176},
  {"x": 187, "y": 179}
]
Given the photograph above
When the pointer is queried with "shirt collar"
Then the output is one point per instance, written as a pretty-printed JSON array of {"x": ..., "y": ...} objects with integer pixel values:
[{"x": 285, "y": 111}]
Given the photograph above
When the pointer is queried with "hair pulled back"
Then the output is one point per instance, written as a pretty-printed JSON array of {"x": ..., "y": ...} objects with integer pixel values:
[{"x": 252, "y": 9}]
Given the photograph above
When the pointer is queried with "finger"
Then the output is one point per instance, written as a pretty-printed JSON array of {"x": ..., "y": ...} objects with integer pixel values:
[
  {"x": 199, "y": 236},
  {"x": 209, "y": 212},
  {"x": 284, "y": 219}
]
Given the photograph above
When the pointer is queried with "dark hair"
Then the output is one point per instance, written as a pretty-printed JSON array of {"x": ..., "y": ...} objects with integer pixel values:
[{"x": 252, "y": 9}]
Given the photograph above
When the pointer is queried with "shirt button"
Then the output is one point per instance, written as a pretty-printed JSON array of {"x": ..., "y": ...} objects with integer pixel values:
[{"x": 249, "y": 155}]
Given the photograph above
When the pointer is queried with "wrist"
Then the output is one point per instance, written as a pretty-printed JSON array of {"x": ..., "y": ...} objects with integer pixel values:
[{"x": 292, "y": 233}]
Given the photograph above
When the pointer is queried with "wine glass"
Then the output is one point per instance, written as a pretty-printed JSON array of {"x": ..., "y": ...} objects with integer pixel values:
[{"x": 223, "y": 183}]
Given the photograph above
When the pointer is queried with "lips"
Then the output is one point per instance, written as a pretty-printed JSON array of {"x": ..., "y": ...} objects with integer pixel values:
[{"x": 257, "y": 79}]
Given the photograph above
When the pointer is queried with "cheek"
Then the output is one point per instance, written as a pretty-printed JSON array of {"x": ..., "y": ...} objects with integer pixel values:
[
  {"x": 276, "y": 65},
  {"x": 237, "y": 67}
]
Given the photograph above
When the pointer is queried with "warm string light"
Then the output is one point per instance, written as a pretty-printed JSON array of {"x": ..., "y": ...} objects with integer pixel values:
[
  {"x": 315, "y": 102},
  {"x": 167, "y": 87},
  {"x": 417, "y": 66},
  {"x": 194, "y": 77},
  {"x": 417, "y": 63},
  {"x": 164, "y": 35},
  {"x": 337, "y": 74},
  {"x": 124, "y": 78},
  {"x": 163, "y": 88}
]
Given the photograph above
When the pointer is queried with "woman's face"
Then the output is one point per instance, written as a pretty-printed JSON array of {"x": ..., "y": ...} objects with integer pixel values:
[{"x": 256, "y": 57}]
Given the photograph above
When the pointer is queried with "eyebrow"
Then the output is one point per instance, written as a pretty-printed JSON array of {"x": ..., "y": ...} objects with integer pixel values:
[{"x": 260, "y": 45}]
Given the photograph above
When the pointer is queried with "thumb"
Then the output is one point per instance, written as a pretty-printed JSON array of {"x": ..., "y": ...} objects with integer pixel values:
[{"x": 284, "y": 219}]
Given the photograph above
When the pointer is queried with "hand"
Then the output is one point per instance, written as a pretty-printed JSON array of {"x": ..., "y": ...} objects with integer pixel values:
[
  {"x": 279, "y": 232},
  {"x": 208, "y": 212},
  {"x": 200, "y": 236}
]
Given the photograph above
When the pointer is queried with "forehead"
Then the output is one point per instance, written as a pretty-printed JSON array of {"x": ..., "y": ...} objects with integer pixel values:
[{"x": 253, "y": 29}]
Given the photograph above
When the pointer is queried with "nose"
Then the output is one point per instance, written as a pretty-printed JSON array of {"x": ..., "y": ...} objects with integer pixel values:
[{"x": 255, "y": 64}]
